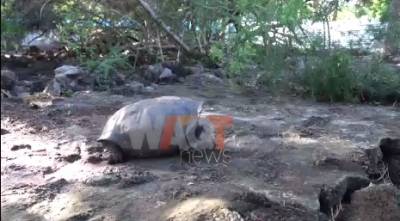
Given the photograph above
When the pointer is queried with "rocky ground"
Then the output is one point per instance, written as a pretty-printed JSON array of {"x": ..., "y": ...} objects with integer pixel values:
[{"x": 286, "y": 159}]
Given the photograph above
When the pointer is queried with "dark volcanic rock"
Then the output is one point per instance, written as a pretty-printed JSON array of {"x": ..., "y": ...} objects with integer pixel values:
[
  {"x": 394, "y": 170},
  {"x": 390, "y": 147},
  {"x": 4, "y": 131},
  {"x": 70, "y": 158},
  {"x": 376, "y": 202},
  {"x": 21, "y": 146},
  {"x": 8, "y": 79},
  {"x": 331, "y": 197},
  {"x": 391, "y": 156}
]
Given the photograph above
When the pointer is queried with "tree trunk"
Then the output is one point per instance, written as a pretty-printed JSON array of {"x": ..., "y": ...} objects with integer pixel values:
[{"x": 392, "y": 41}]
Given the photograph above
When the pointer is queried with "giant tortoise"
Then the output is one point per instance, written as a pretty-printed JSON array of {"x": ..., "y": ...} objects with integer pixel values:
[{"x": 156, "y": 127}]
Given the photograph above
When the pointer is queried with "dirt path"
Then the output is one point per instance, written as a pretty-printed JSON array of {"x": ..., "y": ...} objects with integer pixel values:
[{"x": 281, "y": 153}]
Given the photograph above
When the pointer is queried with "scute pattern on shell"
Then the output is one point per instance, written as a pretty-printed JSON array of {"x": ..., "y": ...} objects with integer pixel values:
[{"x": 137, "y": 128}]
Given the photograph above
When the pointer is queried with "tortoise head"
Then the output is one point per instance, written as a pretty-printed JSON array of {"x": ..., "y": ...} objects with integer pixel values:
[{"x": 200, "y": 134}]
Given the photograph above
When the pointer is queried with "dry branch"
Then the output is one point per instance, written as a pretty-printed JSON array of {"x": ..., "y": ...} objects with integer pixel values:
[{"x": 164, "y": 26}]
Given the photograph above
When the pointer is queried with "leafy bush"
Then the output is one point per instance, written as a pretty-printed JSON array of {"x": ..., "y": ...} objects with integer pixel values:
[
  {"x": 378, "y": 82},
  {"x": 11, "y": 27},
  {"x": 338, "y": 77},
  {"x": 217, "y": 53},
  {"x": 331, "y": 78},
  {"x": 104, "y": 67}
]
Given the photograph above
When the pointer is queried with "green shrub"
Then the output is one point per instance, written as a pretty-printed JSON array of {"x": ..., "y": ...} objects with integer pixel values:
[
  {"x": 104, "y": 67},
  {"x": 378, "y": 82},
  {"x": 12, "y": 30},
  {"x": 331, "y": 78},
  {"x": 217, "y": 53}
]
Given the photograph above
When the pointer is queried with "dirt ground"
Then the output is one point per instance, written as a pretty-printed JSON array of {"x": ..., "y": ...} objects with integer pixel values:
[{"x": 280, "y": 153}]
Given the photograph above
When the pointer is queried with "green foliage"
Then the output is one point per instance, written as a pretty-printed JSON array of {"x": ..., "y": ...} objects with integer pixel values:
[
  {"x": 241, "y": 59},
  {"x": 338, "y": 77},
  {"x": 374, "y": 9},
  {"x": 380, "y": 9},
  {"x": 331, "y": 78},
  {"x": 104, "y": 67},
  {"x": 217, "y": 53},
  {"x": 96, "y": 36},
  {"x": 12, "y": 30},
  {"x": 255, "y": 40},
  {"x": 378, "y": 82}
]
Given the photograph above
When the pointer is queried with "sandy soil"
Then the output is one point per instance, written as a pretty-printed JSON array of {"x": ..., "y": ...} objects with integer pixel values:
[{"x": 280, "y": 153}]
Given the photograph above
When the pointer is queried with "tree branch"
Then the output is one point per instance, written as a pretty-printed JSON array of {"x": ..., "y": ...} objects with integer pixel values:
[{"x": 164, "y": 26}]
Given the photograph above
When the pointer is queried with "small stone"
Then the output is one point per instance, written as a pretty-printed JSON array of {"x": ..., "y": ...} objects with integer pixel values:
[
  {"x": 67, "y": 71},
  {"x": 47, "y": 170},
  {"x": 21, "y": 146},
  {"x": 104, "y": 180},
  {"x": 166, "y": 74},
  {"x": 16, "y": 167},
  {"x": 149, "y": 89},
  {"x": 94, "y": 159},
  {"x": 72, "y": 157}
]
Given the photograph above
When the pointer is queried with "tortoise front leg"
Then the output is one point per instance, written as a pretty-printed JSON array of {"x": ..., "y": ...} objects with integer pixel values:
[{"x": 114, "y": 153}]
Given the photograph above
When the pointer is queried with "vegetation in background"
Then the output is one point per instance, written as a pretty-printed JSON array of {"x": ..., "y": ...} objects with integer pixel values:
[
  {"x": 11, "y": 27},
  {"x": 331, "y": 78},
  {"x": 106, "y": 66},
  {"x": 378, "y": 82},
  {"x": 258, "y": 42}
]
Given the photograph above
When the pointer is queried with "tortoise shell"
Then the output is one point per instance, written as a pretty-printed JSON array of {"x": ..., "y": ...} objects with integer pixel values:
[{"x": 138, "y": 128}]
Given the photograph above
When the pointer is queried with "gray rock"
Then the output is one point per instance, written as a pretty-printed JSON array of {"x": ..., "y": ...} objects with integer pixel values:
[
  {"x": 390, "y": 147},
  {"x": 70, "y": 158},
  {"x": 331, "y": 197},
  {"x": 46, "y": 42},
  {"x": 375, "y": 163},
  {"x": 391, "y": 156},
  {"x": 152, "y": 72},
  {"x": 149, "y": 89},
  {"x": 167, "y": 74},
  {"x": 376, "y": 202},
  {"x": 69, "y": 78},
  {"x": 53, "y": 88},
  {"x": 21, "y": 146},
  {"x": 67, "y": 71},
  {"x": 394, "y": 170},
  {"x": 104, "y": 180}
]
